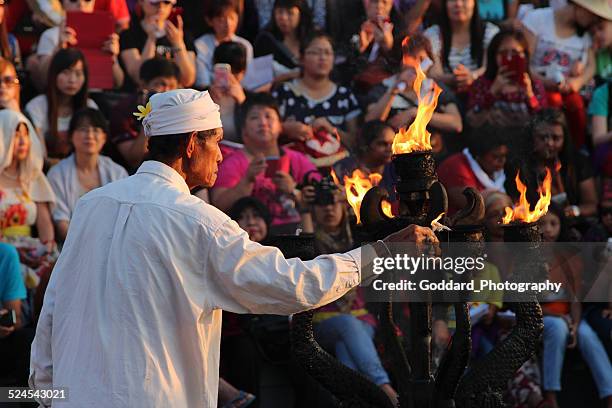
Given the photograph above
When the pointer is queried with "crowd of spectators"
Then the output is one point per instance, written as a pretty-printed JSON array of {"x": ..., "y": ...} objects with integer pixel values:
[{"x": 525, "y": 87}]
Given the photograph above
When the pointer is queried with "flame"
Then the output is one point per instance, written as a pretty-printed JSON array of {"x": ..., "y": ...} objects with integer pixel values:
[
  {"x": 557, "y": 166},
  {"x": 385, "y": 206},
  {"x": 417, "y": 138},
  {"x": 437, "y": 219},
  {"x": 521, "y": 211},
  {"x": 356, "y": 188}
]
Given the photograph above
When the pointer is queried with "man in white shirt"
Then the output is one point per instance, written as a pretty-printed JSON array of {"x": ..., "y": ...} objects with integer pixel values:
[{"x": 132, "y": 313}]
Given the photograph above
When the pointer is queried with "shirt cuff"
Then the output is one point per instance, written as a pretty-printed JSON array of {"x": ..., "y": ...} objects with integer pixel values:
[{"x": 364, "y": 256}]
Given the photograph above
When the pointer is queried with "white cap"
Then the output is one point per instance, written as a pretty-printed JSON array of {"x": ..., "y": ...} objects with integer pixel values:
[{"x": 181, "y": 111}]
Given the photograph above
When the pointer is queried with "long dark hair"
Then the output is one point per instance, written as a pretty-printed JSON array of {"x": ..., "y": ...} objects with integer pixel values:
[
  {"x": 305, "y": 25},
  {"x": 500, "y": 37},
  {"x": 64, "y": 59},
  {"x": 477, "y": 31}
]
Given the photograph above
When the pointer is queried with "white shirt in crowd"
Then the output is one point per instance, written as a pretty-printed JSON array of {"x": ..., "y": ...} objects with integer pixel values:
[
  {"x": 132, "y": 313},
  {"x": 67, "y": 188},
  {"x": 36, "y": 110},
  {"x": 457, "y": 56},
  {"x": 205, "y": 48},
  {"x": 554, "y": 55},
  {"x": 48, "y": 42}
]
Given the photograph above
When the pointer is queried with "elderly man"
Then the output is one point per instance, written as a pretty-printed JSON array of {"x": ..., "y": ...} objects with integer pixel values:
[{"x": 132, "y": 313}]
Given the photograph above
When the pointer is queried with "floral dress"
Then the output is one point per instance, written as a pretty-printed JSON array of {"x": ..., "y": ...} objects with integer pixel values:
[{"x": 18, "y": 213}]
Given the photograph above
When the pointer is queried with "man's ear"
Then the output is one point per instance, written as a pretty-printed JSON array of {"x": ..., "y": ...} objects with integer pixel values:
[{"x": 191, "y": 144}]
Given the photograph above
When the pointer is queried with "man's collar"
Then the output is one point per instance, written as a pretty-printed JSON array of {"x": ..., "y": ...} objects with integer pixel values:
[{"x": 164, "y": 171}]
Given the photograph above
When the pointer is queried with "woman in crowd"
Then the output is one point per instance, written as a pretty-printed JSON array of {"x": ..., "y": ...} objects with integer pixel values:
[
  {"x": 154, "y": 35},
  {"x": 481, "y": 166},
  {"x": 505, "y": 94},
  {"x": 563, "y": 323},
  {"x": 252, "y": 216},
  {"x": 26, "y": 199},
  {"x": 573, "y": 184},
  {"x": 9, "y": 86},
  {"x": 289, "y": 26},
  {"x": 314, "y": 102},
  {"x": 227, "y": 92},
  {"x": 373, "y": 155},
  {"x": 344, "y": 327},
  {"x": 460, "y": 44},
  {"x": 563, "y": 57},
  {"x": 9, "y": 46},
  {"x": 395, "y": 100},
  {"x": 67, "y": 92},
  {"x": 222, "y": 16},
  {"x": 85, "y": 169}
]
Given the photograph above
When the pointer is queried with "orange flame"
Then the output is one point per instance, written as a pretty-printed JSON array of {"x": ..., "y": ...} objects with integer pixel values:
[
  {"x": 521, "y": 211},
  {"x": 417, "y": 138},
  {"x": 385, "y": 206},
  {"x": 356, "y": 188}
]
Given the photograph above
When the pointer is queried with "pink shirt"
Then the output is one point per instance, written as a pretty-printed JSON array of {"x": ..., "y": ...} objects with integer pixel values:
[{"x": 281, "y": 206}]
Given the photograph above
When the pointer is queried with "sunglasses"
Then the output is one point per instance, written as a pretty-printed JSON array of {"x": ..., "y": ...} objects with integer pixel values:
[{"x": 9, "y": 80}]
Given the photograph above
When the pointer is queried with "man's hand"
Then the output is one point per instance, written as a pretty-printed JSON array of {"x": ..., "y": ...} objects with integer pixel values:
[
  {"x": 284, "y": 182},
  {"x": 256, "y": 167},
  {"x": 5, "y": 331},
  {"x": 423, "y": 237}
]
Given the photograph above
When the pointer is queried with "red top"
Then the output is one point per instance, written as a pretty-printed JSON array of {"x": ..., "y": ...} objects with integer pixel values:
[{"x": 455, "y": 171}]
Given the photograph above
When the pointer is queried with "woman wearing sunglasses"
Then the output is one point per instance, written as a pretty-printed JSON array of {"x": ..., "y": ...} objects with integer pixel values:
[
  {"x": 9, "y": 86},
  {"x": 156, "y": 34}
]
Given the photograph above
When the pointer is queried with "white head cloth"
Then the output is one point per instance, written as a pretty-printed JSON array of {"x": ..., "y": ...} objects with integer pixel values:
[{"x": 181, "y": 111}]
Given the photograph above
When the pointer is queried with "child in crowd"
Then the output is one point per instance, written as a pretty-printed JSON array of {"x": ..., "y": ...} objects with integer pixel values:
[{"x": 222, "y": 17}]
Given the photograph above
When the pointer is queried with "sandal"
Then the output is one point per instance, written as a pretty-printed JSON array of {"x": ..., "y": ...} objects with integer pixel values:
[{"x": 243, "y": 400}]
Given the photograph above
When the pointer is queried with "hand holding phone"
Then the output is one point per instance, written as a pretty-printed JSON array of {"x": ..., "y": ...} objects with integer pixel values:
[
  {"x": 8, "y": 318},
  {"x": 221, "y": 74}
]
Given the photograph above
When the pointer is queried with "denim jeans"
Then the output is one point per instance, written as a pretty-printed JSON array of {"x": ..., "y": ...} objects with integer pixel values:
[
  {"x": 351, "y": 340},
  {"x": 556, "y": 335}
]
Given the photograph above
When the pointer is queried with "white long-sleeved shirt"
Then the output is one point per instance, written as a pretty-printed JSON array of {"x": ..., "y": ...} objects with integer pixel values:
[{"x": 132, "y": 313}]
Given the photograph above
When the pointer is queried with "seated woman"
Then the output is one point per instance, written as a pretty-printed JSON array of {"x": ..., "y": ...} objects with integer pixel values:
[
  {"x": 26, "y": 198},
  {"x": 395, "y": 101},
  {"x": 67, "y": 92},
  {"x": 290, "y": 24},
  {"x": 563, "y": 323},
  {"x": 151, "y": 35},
  {"x": 481, "y": 165},
  {"x": 344, "y": 327},
  {"x": 563, "y": 57},
  {"x": 83, "y": 170},
  {"x": 506, "y": 94},
  {"x": 460, "y": 44},
  {"x": 374, "y": 155},
  {"x": 314, "y": 103},
  {"x": 9, "y": 93},
  {"x": 550, "y": 147}
]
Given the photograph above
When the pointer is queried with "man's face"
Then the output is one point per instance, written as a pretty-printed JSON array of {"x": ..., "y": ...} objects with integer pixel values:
[
  {"x": 204, "y": 160},
  {"x": 548, "y": 141},
  {"x": 262, "y": 126}
]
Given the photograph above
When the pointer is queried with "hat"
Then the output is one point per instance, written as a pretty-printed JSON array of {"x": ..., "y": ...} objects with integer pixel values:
[
  {"x": 179, "y": 111},
  {"x": 601, "y": 8}
]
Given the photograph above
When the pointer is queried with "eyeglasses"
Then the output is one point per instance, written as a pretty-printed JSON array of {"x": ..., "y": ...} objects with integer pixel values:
[{"x": 9, "y": 80}]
